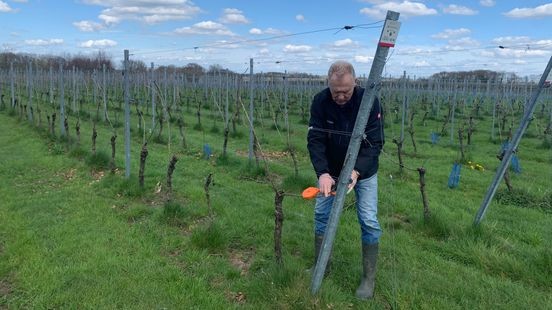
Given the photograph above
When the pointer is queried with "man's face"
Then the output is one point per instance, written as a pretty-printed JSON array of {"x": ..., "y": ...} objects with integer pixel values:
[{"x": 342, "y": 87}]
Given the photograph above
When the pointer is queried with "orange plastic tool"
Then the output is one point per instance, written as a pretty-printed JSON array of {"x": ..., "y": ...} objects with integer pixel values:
[{"x": 312, "y": 192}]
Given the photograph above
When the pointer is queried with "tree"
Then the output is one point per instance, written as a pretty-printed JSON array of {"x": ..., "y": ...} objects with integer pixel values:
[
  {"x": 477, "y": 75},
  {"x": 194, "y": 69},
  {"x": 135, "y": 65},
  {"x": 216, "y": 68}
]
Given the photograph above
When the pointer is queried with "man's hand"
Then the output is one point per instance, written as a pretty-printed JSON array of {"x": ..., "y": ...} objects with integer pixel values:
[
  {"x": 325, "y": 183},
  {"x": 354, "y": 178}
]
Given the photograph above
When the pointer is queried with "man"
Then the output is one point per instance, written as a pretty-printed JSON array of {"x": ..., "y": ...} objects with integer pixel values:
[{"x": 333, "y": 114}]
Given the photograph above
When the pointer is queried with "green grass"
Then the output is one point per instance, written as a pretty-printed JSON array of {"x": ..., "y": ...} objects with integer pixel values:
[{"x": 73, "y": 235}]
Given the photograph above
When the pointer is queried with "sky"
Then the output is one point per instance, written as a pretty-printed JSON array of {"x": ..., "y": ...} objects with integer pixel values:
[{"x": 283, "y": 35}]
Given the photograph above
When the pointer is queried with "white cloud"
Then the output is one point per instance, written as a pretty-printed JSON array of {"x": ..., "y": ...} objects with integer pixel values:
[
  {"x": 205, "y": 28},
  {"x": 406, "y": 8},
  {"x": 264, "y": 51},
  {"x": 255, "y": 31},
  {"x": 300, "y": 17},
  {"x": 88, "y": 26},
  {"x": 520, "y": 62},
  {"x": 458, "y": 10},
  {"x": 422, "y": 63},
  {"x": 373, "y": 1},
  {"x": 271, "y": 31},
  {"x": 539, "y": 11},
  {"x": 290, "y": 48},
  {"x": 463, "y": 42},
  {"x": 511, "y": 40},
  {"x": 148, "y": 11},
  {"x": 41, "y": 42},
  {"x": 110, "y": 19},
  {"x": 523, "y": 43},
  {"x": 487, "y": 3},
  {"x": 521, "y": 53},
  {"x": 487, "y": 53},
  {"x": 543, "y": 44},
  {"x": 226, "y": 44},
  {"x": 363, "y": 59},
  {"x": 448, "y": 34},
  {"x": 233, "y": 16},
  {"x": 345, "y": 43},
  {"x": 98, "y": 43},
  {"x": 4, "y": 7}
]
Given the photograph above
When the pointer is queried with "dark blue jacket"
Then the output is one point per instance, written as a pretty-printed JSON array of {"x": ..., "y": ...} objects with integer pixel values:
[{"x": 330, "y": 127}]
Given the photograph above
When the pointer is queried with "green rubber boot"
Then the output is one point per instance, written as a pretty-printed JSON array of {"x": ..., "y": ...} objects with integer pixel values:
[{"x": 369, "y": 260}]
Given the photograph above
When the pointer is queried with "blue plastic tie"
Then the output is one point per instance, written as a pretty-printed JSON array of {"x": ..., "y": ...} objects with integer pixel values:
[
  {"x": 207, "y": 151},
  {"x": 454, "y": 177}
]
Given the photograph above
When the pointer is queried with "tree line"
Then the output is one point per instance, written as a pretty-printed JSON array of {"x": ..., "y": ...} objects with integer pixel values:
[{"x": 96, "y": 61}]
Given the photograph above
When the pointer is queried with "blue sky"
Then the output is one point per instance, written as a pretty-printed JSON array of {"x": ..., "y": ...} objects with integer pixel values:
[{"x": 288, "y": 35}]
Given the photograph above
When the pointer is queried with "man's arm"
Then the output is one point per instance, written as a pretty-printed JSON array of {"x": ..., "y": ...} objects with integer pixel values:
[{"x": 317, "y": 140}]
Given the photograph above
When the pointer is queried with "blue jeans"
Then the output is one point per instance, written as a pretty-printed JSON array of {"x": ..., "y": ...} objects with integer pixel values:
[{"x": 366, "y": 192}]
